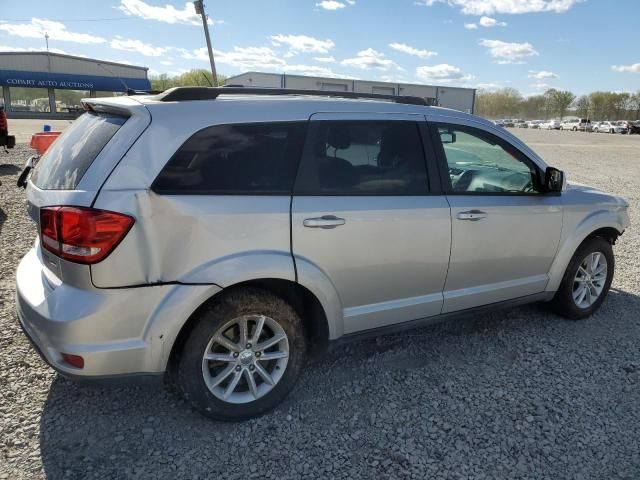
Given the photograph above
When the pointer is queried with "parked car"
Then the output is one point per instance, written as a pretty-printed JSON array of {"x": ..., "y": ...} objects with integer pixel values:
[
  {"x": 551, "y": 125},
  {"x": 521, "y": 124},
  {"x": 576, "y": 124},
  {"x": 271, "y": 222},
  {"x": 534, "y": 123},
  {"x": 609, "y": 127},
  {"x": 508, "y": 123},
  {"x": 634, "y": 127}
]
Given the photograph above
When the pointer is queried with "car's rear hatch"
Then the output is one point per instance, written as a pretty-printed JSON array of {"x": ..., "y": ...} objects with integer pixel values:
[{"x": 77, "y": 164}]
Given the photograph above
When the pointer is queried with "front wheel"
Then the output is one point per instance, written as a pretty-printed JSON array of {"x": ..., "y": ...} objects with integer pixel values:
[
  {"x": 243, "y": 355},
  {"x": 586, "y": 281}
]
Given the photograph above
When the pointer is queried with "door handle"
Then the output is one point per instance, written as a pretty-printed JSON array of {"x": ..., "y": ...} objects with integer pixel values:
[
  {"x": 326, "y": 221},
  {"x": 473, "y": 215}
]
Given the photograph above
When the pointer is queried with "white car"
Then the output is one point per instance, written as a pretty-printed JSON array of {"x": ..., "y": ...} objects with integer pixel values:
[
  {"x": 551, "y": 125},
  {"x": 609, "y": 127}
]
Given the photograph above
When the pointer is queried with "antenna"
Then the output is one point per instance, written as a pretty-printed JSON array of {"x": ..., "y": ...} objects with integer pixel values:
[{"x": 126, "y": 87}]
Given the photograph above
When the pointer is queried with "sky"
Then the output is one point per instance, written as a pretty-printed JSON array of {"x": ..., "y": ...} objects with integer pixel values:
[{"x": 530, "y": 45}]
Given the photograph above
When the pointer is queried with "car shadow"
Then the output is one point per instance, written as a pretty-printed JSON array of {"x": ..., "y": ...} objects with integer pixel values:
[
  {"x": 123, "y": 432},
  {"x": 9, "y": 169},
  {"x": 3, "y": 218}
]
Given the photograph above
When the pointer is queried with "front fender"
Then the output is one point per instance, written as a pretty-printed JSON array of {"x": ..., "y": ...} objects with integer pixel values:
[{"x": 617, "y": 219}]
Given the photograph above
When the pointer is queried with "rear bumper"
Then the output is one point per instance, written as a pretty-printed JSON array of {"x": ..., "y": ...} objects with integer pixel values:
[{"x": 110, "y": 329}]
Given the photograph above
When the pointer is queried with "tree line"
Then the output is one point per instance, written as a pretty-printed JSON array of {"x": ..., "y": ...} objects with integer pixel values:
[
  {"x": 509, "y": 103},
  {"x": 192, "y": 78}
]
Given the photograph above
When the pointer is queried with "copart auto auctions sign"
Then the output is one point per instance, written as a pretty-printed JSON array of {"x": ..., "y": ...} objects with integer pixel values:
[{"x": 20, "y": 82}]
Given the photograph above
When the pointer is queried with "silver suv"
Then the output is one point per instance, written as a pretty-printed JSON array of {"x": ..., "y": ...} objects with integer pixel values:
[{"x": 218, "y": 237}]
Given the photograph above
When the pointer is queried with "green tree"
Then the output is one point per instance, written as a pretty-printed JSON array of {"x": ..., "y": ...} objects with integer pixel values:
[
  {"x": 583, "y": 106},
  {"x": 560, "y": 101}
]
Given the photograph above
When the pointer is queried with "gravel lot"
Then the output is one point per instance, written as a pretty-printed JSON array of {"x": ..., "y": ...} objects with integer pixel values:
[{"x": 514, "y": 394}]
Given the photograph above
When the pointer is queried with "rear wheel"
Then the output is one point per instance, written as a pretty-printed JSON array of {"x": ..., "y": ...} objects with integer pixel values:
[
  {"x": 586, "y": 281},
  {"x": 243, "y": 355}
]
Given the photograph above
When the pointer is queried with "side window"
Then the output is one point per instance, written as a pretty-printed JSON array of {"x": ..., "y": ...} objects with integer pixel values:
[
  {"x": 249, "y": 159},
  {"x": 478, "y": 163},
  {"x": 362, "y": 158}
]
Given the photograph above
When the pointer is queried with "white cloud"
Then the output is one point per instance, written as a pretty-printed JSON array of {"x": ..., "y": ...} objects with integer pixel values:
[
  {"x": 540, "y": 86},
  {"x": 404, "y": 48},
  {"x": 491, "y": 22},
  {"x": 302, "y": 43},
  {"x": 491, "y": 7},
  {"x": 509, "y": 52},
  {"x": 166, "y": 62},
  {"x": 131, "y": 45},
  {"x": 541, "y": 75},
  {"x": 263, "y": 58},
  {"x": 635, "y": 68},
  {"x": 370, "y": 58},
  {"x": 4, "y": 48},
  {"x": 442, "y": 73},
  {"x": 166, "y": 14},
  {"x": 488, "y": 86},
  {"x": 325, "y": 59},
  {"x": 486, "y": 22},
  {"x": 331, "y": 4},
  {"x": 56, "y": 30}
]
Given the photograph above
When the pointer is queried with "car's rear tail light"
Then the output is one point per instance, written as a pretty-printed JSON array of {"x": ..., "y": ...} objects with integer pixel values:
[
  {"x": 74, "y": 360},
  {"x": 82, "y": 235}
]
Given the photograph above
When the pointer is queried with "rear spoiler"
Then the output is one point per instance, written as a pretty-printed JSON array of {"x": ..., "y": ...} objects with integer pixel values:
[{"x": 100, "y": 107}]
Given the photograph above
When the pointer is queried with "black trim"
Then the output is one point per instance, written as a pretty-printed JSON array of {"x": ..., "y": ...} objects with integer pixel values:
[
  {"x": 422, "y": 322},
  {"x": 491, "y": 138},
  {"x": 156, "y": 284},
  {"x": 177, "y": 94}
]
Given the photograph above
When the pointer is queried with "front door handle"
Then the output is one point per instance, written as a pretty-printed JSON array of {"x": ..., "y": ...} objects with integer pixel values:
[
  {"x": 473, "y": 215},
  {"x": 326, "y": 221}
]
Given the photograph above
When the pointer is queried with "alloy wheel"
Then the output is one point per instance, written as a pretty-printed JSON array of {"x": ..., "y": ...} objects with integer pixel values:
[
  {"x": 590, "y": 279},
  {"x": 245, "y": 358}
]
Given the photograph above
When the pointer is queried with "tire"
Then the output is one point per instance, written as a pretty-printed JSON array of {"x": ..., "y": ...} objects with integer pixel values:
[
  {"x": 575, "y": 129},
  {"x": 563, "y": 302},
  {"x": 242, "y": 305}
]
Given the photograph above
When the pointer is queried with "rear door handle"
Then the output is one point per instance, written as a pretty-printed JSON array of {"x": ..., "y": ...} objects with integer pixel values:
[
  {"x": 473, "y": 215},
  {"x": 326, "y": 221}
]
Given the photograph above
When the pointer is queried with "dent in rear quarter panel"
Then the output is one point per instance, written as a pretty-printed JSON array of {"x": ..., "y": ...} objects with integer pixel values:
[{"x": 197, "y": 239}]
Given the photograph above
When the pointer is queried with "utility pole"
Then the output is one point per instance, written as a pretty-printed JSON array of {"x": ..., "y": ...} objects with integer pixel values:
[
  {"x": 199, "y": 6},
  {"x": 46, "y": 39}
]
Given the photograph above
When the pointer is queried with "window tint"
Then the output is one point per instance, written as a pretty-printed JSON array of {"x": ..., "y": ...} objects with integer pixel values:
[
  {"x": 479, "y": 164},
  {"x": 362, "y": 158},
  {"x": 251, "y": 159},
  {"x": 69, "y": 157}
]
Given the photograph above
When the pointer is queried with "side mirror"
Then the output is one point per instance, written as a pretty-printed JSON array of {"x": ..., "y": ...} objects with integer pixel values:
[
  {"x": 553, "y": 180},
  {"x": 448, "y": 137}
]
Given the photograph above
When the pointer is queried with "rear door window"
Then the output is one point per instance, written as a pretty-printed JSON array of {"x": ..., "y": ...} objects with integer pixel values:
[
  {"x": 349, "y": 157},
  {"x": 69, "y": 157},
  {"x": 237, "y": 159}
]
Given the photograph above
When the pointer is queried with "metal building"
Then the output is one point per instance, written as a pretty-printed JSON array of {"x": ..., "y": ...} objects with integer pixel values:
[
  {"x": 50, "y": 85},
  {"x": 462, "y": 99}
]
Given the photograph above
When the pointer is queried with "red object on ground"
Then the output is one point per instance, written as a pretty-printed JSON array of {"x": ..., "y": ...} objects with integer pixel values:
[{"x": 42, "y": 140}]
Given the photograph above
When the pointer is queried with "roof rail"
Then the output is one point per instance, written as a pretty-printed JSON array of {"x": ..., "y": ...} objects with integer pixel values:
[{"x": 177, "y": 94}]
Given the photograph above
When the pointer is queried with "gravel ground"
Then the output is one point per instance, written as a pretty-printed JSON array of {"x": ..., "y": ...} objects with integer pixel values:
[{"x": 513, "y": 394}]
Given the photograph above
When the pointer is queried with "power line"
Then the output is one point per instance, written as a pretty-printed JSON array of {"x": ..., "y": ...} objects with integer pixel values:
[{"x": 69, "y": 20}]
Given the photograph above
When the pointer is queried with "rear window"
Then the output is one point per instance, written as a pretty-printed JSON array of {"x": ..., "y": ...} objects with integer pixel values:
[
  {"x": 249, "y": 159},
  {"x": 69, "y": 157}
]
